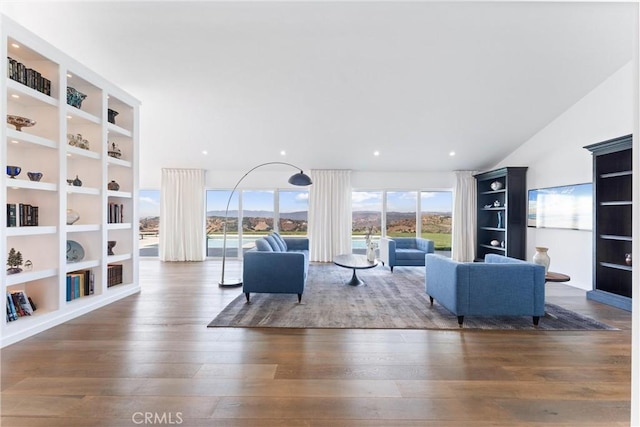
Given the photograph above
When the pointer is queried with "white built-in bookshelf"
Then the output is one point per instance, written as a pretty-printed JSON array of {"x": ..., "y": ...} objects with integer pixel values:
[{"x": 35, "y": 86}]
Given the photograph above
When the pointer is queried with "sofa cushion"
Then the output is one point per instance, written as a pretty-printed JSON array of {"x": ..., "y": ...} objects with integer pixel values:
[
  {"x": 280, "y": 241},
  {"x": 412, "y": 254},
  {"x": 263, "y": 246},
  {"x": 272, "y": 242},
  {"x": 406, "y": 243}
]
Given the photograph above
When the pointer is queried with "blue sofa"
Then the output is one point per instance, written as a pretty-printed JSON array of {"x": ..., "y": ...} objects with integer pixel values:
[
  {"x": 405, "y": 251},
  {"x": 276, "y": 265},
  {"x": 499, "y": 286}
]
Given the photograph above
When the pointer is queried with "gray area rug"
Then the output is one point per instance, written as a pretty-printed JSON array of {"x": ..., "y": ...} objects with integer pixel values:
[{"x": 388, "y": 301}]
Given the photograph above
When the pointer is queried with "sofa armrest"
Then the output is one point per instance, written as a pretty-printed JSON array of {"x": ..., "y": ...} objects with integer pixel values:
[
  {"x": 425, "y": 245},
  {"x": 447, "y": 281},
  {"x": 387, "y": 251},
  {"x": 297, "y": 243},
  {"x": 266, "y": 271}
]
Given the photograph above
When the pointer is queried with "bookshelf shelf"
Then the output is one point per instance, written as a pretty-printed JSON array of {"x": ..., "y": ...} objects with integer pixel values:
[
  {"x": 612, "y": 213},
  {"x": 35, "y": 86}
]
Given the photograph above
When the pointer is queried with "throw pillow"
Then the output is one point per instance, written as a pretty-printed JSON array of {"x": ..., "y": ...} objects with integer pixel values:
[
  {"x": 272, "y": 242},
  {"x": 280, "y": 241},
  {"x": 263, "y": 245}
]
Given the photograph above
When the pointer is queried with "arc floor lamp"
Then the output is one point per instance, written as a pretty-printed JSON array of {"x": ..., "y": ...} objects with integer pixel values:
[{"x": 298, "y": 179}]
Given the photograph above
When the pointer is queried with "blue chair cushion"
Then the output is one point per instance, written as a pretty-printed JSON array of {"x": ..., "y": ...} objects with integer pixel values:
[{"x": 412, "y": 254}]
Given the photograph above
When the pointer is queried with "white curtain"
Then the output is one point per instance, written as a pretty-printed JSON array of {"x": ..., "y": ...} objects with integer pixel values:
[
  {"x": 329, "y": 214},
  {"x": 463, "y": 246},
  {"x": 182, "y": 215}
]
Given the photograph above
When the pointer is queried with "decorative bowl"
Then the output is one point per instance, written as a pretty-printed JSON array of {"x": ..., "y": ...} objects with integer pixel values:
[
  {"x": 114, "y": 151},
  {"x": 72, "y": 216},
  {"x": 34, "y": 176},
  {"x": 111, "y": 115},
  {"x": 20, "y": 122},
  {"x": 496, "y": 185},
  {"x": 75, "y": 97},
  {"x": 13, "y": 171}
]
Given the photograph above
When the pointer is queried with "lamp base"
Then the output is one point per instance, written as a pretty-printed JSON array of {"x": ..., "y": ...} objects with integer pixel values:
[{"x": 230, "y": 283}]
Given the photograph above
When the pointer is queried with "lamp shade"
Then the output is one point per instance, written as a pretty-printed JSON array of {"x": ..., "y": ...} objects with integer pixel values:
[{"x": 300, "y": 179}]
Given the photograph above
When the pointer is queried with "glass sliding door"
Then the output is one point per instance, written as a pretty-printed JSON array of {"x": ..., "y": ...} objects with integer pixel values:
[
  {"x": 149, "y": 206},
  {"x": 435, "y": 217},
  {"x": 366, "y": 217},
  {"x": 216, "y": 205},
  {"x": 257, "y": 215},
  {"x": 293, "y": 212},
  {"x": 401, "y": 213}
]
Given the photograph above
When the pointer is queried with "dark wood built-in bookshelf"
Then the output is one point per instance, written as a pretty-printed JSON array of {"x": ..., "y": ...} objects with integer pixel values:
[
  {"x": 612, "y": 237},
  {"x": 501, "y": 212}
]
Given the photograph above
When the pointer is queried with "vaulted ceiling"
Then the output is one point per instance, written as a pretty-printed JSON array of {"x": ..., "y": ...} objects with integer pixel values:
[{"x": 332, "y": 82}]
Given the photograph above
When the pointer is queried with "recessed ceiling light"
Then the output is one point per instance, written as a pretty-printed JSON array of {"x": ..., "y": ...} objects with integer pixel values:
[
  {"x": 452, "y": 153},
  {"x": 69, "y": 75},
  {"x": 283, "y": 153},
  {"x": 15, "y": 96},
  {"x": 205, "y": 152},
  {"x": 14, "y": 141},
  {"x": 376, "y": 153},
  {"x": 16, "y": 45},
  {"x": 68, "y": 117}
]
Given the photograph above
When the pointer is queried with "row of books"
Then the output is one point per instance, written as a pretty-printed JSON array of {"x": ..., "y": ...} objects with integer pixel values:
[
  {"x": 21, "y": 215},
  {"x": 79, "y": 284},
  {"x": 114, "y": 274},
  {"x": 116, "y": 213},
  {"x": 19, "y": 305},
  {"x": 27, "y": 76}
]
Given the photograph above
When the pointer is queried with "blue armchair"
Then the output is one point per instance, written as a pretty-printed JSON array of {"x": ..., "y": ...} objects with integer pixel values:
[
  {"x": 276, "y": 265},
  {"x": 500, "y": 286},
  {"x": 405, "y": 251}
]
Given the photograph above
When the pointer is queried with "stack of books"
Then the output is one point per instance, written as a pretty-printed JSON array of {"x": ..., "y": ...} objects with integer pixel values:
[
  {"x": 79, "y": 284},
  {"x": 21, "y": 215},
  {"x": 27, "y": 76},
  {"x": 114, "y": 274},
  {"x": 19, "y": 305}
]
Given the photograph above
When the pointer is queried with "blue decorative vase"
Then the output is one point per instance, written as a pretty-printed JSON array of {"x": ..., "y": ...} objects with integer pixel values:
[
  {"x": 75, "y": 97},
  {"x": 13, "y": 171}
]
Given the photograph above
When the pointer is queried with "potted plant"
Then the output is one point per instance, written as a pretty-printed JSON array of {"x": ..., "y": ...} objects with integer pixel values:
[{"x": 14, "y": 261}]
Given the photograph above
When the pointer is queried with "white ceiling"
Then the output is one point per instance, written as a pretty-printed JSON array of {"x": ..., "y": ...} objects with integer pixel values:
[{"x": 332, "y": 82}]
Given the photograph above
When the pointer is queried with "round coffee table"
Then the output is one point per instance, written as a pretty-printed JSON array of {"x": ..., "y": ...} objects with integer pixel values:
[
  {"x": 556, "y": 277},
  {"x": 355, "y": 262}
]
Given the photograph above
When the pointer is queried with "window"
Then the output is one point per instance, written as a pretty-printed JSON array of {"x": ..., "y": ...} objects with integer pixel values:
[
  {"x": 436, "y": 207},
  {"x": 366, "y": 216},
  {"x": 257, "y": 213},
  {"x": 395, "y": 213},
  {"x": 149, "y": 208},
  {"x": 293, "y": 213},
  {"x": 401, "y": 213},
  {"x": 216, "y": 206}
]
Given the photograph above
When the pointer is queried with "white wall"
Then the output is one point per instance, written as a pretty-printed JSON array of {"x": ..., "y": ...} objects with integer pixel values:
[
  {"x": 555, "y": 156},
  {"x": 270, "y": 177}
]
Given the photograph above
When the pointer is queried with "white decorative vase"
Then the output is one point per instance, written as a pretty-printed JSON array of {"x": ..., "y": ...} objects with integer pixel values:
[
  {"x": 72, "y": 216},
  {"x": 541, "y": 257},
  {"x": 371, "y": 252}
]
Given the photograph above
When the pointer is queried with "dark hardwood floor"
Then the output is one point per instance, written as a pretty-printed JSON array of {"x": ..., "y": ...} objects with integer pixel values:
[{"x": 150, "y": 360}]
